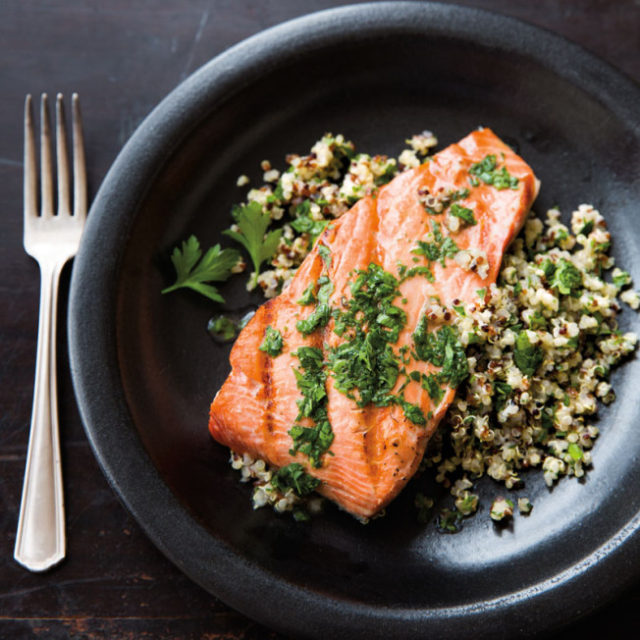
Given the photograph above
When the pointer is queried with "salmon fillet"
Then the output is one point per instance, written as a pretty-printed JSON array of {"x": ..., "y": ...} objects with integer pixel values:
[{"x": 376, "y": 448}]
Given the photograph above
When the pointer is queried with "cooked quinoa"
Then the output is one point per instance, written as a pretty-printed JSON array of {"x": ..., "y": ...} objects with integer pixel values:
[
  {"x": 317, "y": 188},
  {"x": 540, "y": 343}
]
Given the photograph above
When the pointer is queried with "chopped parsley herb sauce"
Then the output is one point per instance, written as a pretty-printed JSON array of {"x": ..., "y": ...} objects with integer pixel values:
[
  {"x": 419, "y": 271},
  {"x": 442, "y": 349},
  {"x": 365, "y": 366},
  {"x": 441, "y": 248},
  {"x": 293, "y": 476},
  {"x": 314, "y": 441},
  {"x": 412, "y": 412},
  {"x": 459, "y": 194},
  {"x": 322, "y": 313},
  {"x": 308, "y": 297},
  {"x": 432, "y": 386},
  {"x": 272, "y": 343},
  {"x": 486, "y": 171},
  {"x": 365, "y": 363}
]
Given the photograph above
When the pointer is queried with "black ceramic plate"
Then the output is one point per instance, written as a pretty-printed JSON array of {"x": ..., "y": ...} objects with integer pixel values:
[{"x": 145, "y": 369}]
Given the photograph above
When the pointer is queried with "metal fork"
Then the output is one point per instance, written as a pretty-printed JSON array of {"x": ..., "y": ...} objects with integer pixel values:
[{"x": 51, "y": 238}]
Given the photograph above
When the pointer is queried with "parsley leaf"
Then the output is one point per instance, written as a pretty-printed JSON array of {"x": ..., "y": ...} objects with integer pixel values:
[
  {"x": 325, "y": 254},
  {"x": 303, "y": 222},
  {"x": 528, "y": 357},
  {"x": 502, "y": 391},
  {"x": 548, "y": 268},
  {"x": 252, "y": 224},
  {"x": 459, "y": 195},
  {"x": 537, "y": 321},
  {"x": 463, "y": 213},
  {"x": 587, "y": 228},
  {"x": 567, "y": 278},
  {"x": 308, "y": 296},
  {"x": 575, "y": 451},
  {"x": 621, "y": 278},
  {"x": 194, "y": 271},
  {"x": 322, "y": 313}
]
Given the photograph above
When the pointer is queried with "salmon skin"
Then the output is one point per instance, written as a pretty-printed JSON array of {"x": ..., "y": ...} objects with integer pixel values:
[{"x": 363, "y": 437}]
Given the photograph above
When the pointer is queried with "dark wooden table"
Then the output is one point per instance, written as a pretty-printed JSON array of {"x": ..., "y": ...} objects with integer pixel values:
[{"x": 123, "y": 57}]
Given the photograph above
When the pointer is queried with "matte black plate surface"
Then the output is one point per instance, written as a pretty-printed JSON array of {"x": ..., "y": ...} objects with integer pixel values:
[{"x": 145, "y": 369}]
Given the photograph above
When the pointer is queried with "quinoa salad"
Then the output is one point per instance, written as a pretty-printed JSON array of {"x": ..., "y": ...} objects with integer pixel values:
[{"x": 540, "y": 344}]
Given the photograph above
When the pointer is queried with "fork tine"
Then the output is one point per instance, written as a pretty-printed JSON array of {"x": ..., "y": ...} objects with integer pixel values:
[
  {"x": 30, "y": 172},
  {"x": 79, "y": 170},
  {"x": 46, "y": 160},
  {"x": 62, "y": 159}
]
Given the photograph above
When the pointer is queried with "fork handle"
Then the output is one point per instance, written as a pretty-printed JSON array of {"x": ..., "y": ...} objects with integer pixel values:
[{"x": 40, "y": 539}]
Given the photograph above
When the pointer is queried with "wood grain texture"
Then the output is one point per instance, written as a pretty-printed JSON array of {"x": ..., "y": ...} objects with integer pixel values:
[{"x": 123, "y": 58}]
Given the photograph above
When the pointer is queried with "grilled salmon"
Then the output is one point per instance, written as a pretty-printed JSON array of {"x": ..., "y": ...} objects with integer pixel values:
[{"x": 360, "y": 303}]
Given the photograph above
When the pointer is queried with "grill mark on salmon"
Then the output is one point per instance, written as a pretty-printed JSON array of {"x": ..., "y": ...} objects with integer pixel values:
[{"x": 375, "y": 449}]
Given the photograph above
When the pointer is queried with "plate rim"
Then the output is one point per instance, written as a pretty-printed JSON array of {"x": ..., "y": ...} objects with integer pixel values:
[{"x": 94, "y": 361}]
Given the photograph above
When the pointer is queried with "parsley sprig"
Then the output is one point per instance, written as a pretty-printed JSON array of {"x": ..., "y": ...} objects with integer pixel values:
[
  {"x": 195, "y": 271},
  {"x": 252, "y": 235}
]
